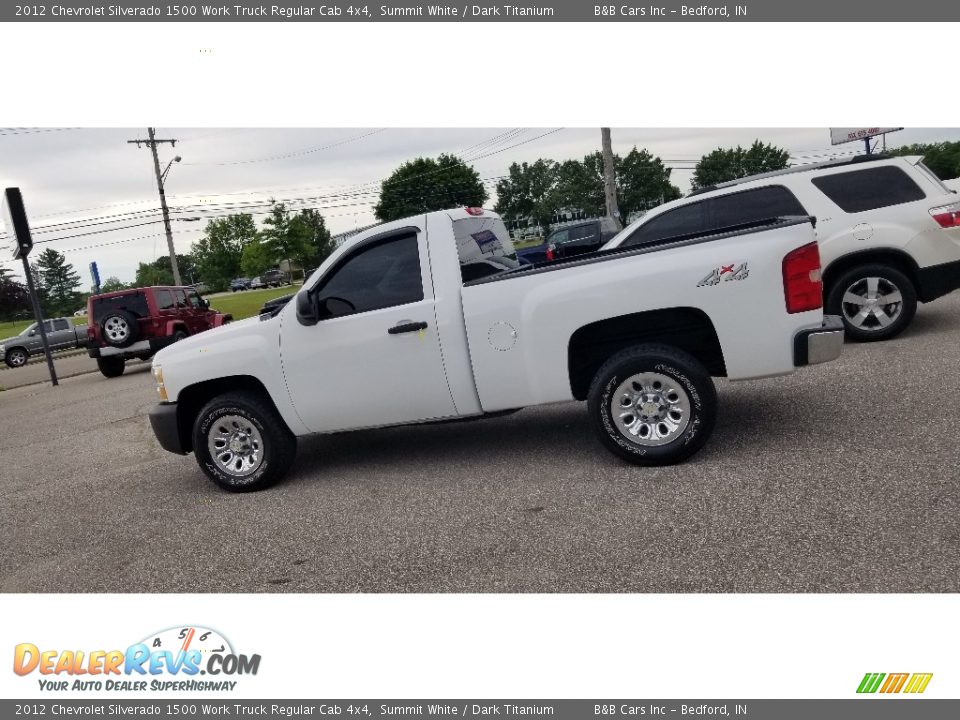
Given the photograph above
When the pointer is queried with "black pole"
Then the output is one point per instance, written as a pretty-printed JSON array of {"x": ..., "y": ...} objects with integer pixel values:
[
  {"x": 38, "y": 315},
  {"x": 866, "y": 142}
]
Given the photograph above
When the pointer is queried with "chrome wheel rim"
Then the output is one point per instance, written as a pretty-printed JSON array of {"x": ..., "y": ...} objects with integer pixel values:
[
  {"x": 235, "y": 445},
  {"x": 650, "y": 409},
  {"x": 872, "y": 304},
  {"x": 17, "y": 358},
  {"x": 116, "y": 329}
]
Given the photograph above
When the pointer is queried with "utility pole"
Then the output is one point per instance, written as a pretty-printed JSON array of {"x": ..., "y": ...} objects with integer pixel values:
[
  {"x": 152, "y": 143},
  {"x": 609, "y": 178}
]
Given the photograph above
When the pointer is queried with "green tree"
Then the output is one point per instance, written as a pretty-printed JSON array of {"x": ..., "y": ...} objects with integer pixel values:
[
  {"x": 61, "y": 283},
  {"x": 580, "y": 185},
  {"x": 256, "y": 258},
  {"x": 14, "y": 298},
  {"x": 319, "y": 240},
  {"x": 112, "y": 284},
  {"x": 528, "y": 192},
  {"x": 218, "y": 254},
  {"x": 723, "y": 165},
  {"x": 427, "y": 184},
  {"x": 285, "y": 236},
  {"x": 643, "y": 182},
  {"x": 160, "y": 272},
  {"x": 942, "y": 158}
]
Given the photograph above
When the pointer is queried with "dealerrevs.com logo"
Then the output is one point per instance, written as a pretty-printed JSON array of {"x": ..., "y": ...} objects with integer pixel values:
[
  {"x": 172, "y": 659},
  {"x": 893, "y": 683}
]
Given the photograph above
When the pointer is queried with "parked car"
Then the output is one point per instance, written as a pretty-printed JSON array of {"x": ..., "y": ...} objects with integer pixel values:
[
  {"x": 274, "y": 278},
  {"x": 387, "y": 332},
  {"x": 889, "y": 232},
  {"x": 239, "y": 284},
  {"x": 570, "y": 240},
  {"x": 81, "y": 312},
  {"x": 62, "y": 334},
  {"x": 257, "y": 284},
  {"x": 136, "y": 323}
]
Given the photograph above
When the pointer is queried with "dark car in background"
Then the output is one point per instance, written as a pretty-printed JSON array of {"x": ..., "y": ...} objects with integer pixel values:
[
  {"x": 239, "y": 284},
  {"x": 576, "y": 239},
  {"x": 274, "y": 278}
]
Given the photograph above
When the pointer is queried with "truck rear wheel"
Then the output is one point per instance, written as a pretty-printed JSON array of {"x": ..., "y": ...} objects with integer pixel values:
[
  {"x": 242, "y": 443},
  {"x": 111, "y": 367},
  {"x": 653, "y": 405}
]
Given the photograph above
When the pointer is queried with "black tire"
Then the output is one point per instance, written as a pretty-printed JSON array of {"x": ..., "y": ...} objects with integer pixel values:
[
  {"x": 16, "y": 357},
  {"x": 858, "y": 281},
  {"x": 119, "y": 329},
  {"x": 687, "y": 394},
  {"x": 278, "y": 446},
  {"x": 180, "y": 335},
  {"x": 111, "y": 367}
]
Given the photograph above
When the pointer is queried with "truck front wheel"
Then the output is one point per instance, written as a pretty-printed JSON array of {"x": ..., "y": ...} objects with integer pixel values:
[
  {"x": 242, "y": 443},
  {"x": 17, "y": 357},
  {"x": 653, "y": 405}
]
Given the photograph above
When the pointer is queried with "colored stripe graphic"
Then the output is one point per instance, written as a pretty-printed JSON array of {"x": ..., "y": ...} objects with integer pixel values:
[
  {"x": 918, "y": 683},
  {"x": 894, "y": 682},
  {"x": 870, "y": 682}
]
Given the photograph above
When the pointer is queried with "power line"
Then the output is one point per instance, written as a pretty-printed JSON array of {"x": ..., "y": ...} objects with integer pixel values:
[{"x": 298, "y": 153}]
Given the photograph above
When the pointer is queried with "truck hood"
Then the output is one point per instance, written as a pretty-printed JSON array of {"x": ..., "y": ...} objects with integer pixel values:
[{"x": 196, "y": 346}]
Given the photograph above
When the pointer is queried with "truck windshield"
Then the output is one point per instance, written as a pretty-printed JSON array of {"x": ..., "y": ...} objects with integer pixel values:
[
  {"x": 29, "y": 329},
  {"x": 484, "y": 247}
]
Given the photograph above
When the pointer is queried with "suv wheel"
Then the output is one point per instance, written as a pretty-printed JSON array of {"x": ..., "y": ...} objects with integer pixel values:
[
  {"x": 653, "y": 405},
  {"x": 119, "y": 329},
  {"x": 111, "y": 367},
  {"x": 876, "y": 302},
  {"x": 16, "y": 357},
  {"x": 242, "y": 443},
  {"x": 180, "y": 335}
]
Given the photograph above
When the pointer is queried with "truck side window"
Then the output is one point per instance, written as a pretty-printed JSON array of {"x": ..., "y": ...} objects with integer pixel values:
[
  {"x": 379, "y": 276},
  {"x": 684, "y": 220},
  {"x": 61, "y": 325}
]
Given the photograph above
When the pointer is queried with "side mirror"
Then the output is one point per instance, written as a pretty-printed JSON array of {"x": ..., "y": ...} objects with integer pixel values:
[
  {"x": 307, "y": 311},
  {"x": 32, "y": 333}
]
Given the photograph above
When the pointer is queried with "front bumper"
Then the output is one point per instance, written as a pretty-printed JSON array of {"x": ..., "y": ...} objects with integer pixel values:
[
  {"x": 812, "y": 346},
  {"x": 163, "y": 420}
]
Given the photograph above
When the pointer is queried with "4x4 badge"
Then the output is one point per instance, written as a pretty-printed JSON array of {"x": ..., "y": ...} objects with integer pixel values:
[{"x": 726, "y": 273}]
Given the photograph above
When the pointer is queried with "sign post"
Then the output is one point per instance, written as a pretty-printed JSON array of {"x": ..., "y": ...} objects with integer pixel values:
[
  {"x": 95, "y": 276},
  {"x": 838, "y": 136},
  {"x": 16, "y": 218}
]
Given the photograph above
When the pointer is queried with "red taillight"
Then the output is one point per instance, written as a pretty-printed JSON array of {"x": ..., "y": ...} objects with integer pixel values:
[
  {"x": 802, "y": 285},
  {"x": 948, "y": 216},
  {"x": 474, "y": 211},
  {"x": 550, "y": 253}
]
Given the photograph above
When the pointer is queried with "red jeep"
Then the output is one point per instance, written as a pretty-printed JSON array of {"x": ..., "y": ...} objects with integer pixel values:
[{"x": 137, "y": 323}]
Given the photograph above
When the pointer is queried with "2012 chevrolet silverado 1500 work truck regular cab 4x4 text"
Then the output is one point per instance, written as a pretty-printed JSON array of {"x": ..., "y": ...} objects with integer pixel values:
[{"x": 433, "y": 318}]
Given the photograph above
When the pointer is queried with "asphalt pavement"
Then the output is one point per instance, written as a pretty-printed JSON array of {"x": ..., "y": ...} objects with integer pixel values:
[{"x": 839, "y": 478}]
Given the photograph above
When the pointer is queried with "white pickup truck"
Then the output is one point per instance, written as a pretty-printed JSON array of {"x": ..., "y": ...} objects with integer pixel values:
[{"x": 433, "y": 318}]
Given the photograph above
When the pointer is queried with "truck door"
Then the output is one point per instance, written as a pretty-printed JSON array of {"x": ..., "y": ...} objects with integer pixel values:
[
  {"x": 61, "y": 335},
  {"x": 374, "y": 356}
]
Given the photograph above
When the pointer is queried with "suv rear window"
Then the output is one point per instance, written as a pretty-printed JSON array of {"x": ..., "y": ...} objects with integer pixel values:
[
  {"x": 484, "y": 247},
  {"x": 712, "y": 214},
  {"x": 135, "y": 303},
  {"x": 862, "y": 190}
]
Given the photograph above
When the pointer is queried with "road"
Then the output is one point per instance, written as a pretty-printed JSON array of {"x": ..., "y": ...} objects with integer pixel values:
[{"x": 840, "y": 478}]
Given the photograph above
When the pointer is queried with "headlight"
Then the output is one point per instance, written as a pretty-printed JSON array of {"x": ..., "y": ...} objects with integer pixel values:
[{"x": 158, "y": 377}]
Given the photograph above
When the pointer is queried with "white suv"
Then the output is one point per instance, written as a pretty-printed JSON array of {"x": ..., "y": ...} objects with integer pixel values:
[{"x": 888, "y": 229}]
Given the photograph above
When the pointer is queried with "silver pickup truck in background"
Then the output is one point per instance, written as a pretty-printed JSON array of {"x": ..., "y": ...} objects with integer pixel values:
[{"x": 62, "y": 334}]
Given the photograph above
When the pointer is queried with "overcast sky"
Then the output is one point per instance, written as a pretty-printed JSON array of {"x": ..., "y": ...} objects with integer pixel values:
[{"x": 73, "y": 178}]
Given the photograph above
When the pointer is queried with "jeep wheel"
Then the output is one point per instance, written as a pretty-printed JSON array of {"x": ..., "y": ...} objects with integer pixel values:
[
  {"x": 16, "y": 357},
  {"x": 180, "y": 335},
  {"x": 119, "y": 329},
  {"x": 111, "y": 367},
  {"x": 242, "y": 443},
  {"x": 653, "y": 405},
  {"x": 876, "y": 302}
]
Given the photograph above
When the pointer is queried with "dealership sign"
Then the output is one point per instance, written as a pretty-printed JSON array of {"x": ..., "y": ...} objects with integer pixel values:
[
  {"x": 838, "y": 136},
  {"x": 15, "y": 218}
]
